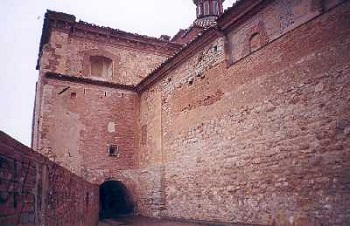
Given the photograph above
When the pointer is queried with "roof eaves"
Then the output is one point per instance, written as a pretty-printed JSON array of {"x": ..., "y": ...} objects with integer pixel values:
[
  {"x": 85, "y": 80},
  {"x": 234, "y": 14},
  {"x": 113, "y": 31},
  {"x": 52, "y": 16}
]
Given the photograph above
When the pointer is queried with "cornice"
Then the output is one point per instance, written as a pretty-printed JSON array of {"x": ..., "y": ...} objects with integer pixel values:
[
  {"x": 67, "y": 23},
  {"x": 89, "y": 81},
  {"x": 235, "y": 15},
  {"x": 231, "y": 18},
  {"x": 239, "y": 12},
  {"x": 122, "y": 35}
]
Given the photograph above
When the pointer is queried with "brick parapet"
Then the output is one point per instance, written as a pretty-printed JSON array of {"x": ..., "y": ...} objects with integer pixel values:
[
  {"x": 67, "y": 23},
  {"x": 36, "y": 191}
]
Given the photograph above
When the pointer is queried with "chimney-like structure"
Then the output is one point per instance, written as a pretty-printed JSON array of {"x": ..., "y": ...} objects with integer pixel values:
[{"x": 207, "y": 12}]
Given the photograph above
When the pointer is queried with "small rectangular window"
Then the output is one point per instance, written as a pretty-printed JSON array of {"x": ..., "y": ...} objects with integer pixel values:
[
  {"x": 144, "y": 134},
  {"x": 199, "y": 11},
  {"x": 101, "y": 66},
  {"x": 206, "y": 8},
  {"x": 215, "y": 8},
  {"x": 113, "y": 150}
]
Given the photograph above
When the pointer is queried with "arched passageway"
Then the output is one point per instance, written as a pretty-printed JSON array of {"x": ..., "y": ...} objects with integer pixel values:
[{"x": 114, "y": 200}]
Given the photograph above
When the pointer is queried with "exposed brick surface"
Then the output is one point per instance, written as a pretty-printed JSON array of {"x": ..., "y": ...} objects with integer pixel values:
[
  {"x": 187, "y": 35},
  {"x": 36, "y": 191},
  {"x": 273, "y": 147},
  {"x": 67, "y": 54},
  {"x": 81, "y": 120},
  {"x": 252, "y": 127}
]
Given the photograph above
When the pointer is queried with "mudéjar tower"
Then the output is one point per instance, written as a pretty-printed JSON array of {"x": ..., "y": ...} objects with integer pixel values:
[{"x": 208, "y": 11}]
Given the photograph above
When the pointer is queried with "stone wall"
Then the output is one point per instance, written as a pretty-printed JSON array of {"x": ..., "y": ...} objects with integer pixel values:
[
  {"x": 66, "y": 47},
  {"x": 36, "y": 191},
  {"x": 265, "y": 138},
  {"x": 271, "y": 22},
  {"x": 150, "y": 153},
  {"x": 75, "y": 121},
  {"x": 253, "y": 127},
  {"x": 67, "y": 54},
  {"x": 80, "y": 120}
]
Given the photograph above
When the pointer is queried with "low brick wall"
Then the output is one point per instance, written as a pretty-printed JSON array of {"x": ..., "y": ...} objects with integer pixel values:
[{"x": 36, "y": 191}]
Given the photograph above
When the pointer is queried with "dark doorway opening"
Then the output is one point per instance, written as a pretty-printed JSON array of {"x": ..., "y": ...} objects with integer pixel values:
[{"x": 114, "y": 200}]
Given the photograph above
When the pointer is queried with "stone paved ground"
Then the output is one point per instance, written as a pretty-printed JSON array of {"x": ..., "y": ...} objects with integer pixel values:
[{"x": 143, "y": 221}]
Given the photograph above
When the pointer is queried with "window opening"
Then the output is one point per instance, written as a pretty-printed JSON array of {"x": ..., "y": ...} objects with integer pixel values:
[
  {"x": 101, "y": 66},
  {"x": 199, "y": 11},
  {"x": 215, "y": 8},
  {"x": 255, "y": 42},
  {"x": 206, "y": 8},
  {"x": 113, "y": 150}
]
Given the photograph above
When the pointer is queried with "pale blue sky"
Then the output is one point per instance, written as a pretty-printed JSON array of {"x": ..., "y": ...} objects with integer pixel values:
[{"x": 21, "y": 23}]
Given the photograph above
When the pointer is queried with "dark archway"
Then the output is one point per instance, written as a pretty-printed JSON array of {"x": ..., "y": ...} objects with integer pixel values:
[{"x": 114, "y": 200}]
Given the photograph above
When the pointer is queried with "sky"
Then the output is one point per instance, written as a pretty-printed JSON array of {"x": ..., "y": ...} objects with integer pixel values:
[{"x": 21, "y": 23}]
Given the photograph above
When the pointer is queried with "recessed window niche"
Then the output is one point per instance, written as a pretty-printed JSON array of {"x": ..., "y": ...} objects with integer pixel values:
[
  {"x": 255, "y": 42},
  {"x": 101, "y": 66}
]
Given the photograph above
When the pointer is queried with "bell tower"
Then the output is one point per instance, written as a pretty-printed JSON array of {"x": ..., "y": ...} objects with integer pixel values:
[{"x": 207, "y": 12}]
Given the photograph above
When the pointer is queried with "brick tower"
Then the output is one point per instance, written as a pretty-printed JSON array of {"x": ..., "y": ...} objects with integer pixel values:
[{"x": 208, "y": 11}]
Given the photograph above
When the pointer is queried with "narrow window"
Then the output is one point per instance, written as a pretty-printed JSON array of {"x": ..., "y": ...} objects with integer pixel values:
[
  {"x": 101, "y": 66},
  {"x": 206, "y": 8},
  {"x": 87, "y": 199},
  {"x": 199, "y": 11},
  {"x": 144, "y": 134},
  {"x": 215, "y": 8},
  {"x": 255, "y": 42}
]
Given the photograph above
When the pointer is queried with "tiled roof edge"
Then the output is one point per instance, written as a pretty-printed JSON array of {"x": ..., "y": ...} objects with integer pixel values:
[{"x": 70, "y": 20}]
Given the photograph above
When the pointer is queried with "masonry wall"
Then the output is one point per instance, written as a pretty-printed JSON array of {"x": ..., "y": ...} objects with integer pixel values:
[
  {"x": 36, "y": 191},
  {"x": 69, "y": 54},
  {"x": 253, "y": 128},
  {"x": 75, "y": 120},
  {"x": 263, "y": 138},
  {"x": 80, "y": 121},
  {"x": 150, "y": 153}
]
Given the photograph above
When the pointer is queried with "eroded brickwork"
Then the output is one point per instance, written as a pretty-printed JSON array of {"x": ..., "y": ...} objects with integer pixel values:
[
  {"x": 266, "y": 140},
  {"x": 36, "y": 191},
  {"x": 67, "y": 45},
  {"x": 248, "y": 123},
  {"x": 150, "y": 152},
  {"x": 79, "y": 123},
  {"x": 67, "y": 54}
]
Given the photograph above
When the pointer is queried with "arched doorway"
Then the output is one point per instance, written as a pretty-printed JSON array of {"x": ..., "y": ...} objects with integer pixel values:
[{"x": 114, "y": 200}]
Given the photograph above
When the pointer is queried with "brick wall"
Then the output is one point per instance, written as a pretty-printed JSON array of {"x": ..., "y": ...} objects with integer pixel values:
[
  {"x": 264, "y": 140},
  {"x": 253, "y": 128},
  {"x": 36, "y": 191},
  {"x": 270, "y": 22},
  {"x": 80, "y": 120},
  {"x": 69, "y": 54},
  {"x": 150, "y": 154}
]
